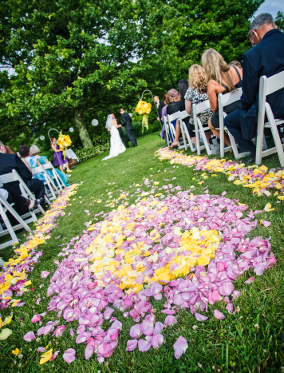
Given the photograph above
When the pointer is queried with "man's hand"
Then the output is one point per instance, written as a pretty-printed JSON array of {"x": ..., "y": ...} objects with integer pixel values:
[{"x": 158, "y": 118}]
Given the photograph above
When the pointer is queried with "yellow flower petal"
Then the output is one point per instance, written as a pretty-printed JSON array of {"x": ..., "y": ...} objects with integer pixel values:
[
  {"x": 46, "y": 356},
  {"x": 5, "y": 333},
  {"x": 16, "y": 351},
  {"x": 268, "y": 208}
]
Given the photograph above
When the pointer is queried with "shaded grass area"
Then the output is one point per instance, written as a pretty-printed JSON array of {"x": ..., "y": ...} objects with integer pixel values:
[{"x": 232, "y": 345}]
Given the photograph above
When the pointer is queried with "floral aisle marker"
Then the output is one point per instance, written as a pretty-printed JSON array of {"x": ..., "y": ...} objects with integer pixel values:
[
  {"x": 14, "y": 274},
  {"x": 259, "y": 178},
  {"x": 144, "y": 108},
  {"x": 182, "y": 249}
]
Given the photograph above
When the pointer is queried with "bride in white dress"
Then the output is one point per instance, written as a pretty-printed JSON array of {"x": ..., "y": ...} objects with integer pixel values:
[{"x": 116, "y": 145}]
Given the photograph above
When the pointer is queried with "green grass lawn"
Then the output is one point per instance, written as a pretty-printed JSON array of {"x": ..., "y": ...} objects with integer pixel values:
[{"x": 231, "y": 345}]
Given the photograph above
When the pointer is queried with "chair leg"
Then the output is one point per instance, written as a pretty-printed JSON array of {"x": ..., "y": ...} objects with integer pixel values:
[
  {"x": 207, "y": 146},
  {"x": 15, "y": 214},
  {"x": 275, "y": 134}
]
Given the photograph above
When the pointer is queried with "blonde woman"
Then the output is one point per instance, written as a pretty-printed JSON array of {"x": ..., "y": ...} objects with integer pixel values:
[
  {"x": 221, "y": 78},
  {"x": 196, "y": 93}
]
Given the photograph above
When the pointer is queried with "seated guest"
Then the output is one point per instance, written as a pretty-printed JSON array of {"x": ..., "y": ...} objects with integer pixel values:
[
  {"x": 166, "y": 100},
  {"x": 235, "y": 63},
  {"x": 34, "y": 152},
  {"x": 8, "y": 162},
  {"x": 32, "y": 162},
  {"x": 10, "y": 150},
  {"x": 21, "y": 204},
  {"x": 182, "y": 88},
  {"x": 196, "y": 93},
  {"x": 266, "y": 58},
  {"x": 173, "y": 107},
  {"x": 221, "y": 78}
]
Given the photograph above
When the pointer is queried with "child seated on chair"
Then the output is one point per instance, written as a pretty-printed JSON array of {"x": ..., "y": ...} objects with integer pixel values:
[{"x": 31, "y": 162}]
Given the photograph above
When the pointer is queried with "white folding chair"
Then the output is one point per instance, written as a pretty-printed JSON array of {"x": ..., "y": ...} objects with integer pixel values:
[
  {"x": 59, "y": 183},
  {"x": 267, "y": 86},
  {"x": 198, "y": 128},
  {"x": 185, "y": 134},
  {"x": 26, "y": 191},
  {"x": 167, "y": 128},
  {"x": 50, "y": 187},
  {"x": 171, "y": 118},
  {"x": 4, "y": 207},
  {"x": 11, "y": 177},
  {"x": 224, "y": 100}
]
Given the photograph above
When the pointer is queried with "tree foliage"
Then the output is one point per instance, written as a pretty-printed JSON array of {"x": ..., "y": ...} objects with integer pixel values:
[
  {"x": 279, "y": 20},
  {"x": 75, "y": 59}
]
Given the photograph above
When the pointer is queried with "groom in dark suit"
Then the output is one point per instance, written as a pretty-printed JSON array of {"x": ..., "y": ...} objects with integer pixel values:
[{"x": 127, "y": 123}]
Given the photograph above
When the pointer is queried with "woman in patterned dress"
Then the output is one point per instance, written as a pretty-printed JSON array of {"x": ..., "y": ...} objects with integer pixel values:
[{"x": 196, "y": 93}]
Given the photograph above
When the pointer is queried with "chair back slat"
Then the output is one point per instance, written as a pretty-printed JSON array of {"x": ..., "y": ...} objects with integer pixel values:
[
  {"x": 8, "y": 178},
  {"x": 173, "y": 116},
  {"x": 274, "y": 83},
  {"x": 183, "y": 114},
  {"x": 198, "y": 108},
  {"x": 230, "y": 97}
]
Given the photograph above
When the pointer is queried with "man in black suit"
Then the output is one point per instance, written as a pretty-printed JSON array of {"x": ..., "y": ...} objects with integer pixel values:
[
  {"x": 121, "y": 134},
  {"x": 127, "y": 123},
  {"x": 159, "y": 106},
  {"x": 8, "y": 162},
  {"x": 265, "y": 58}
]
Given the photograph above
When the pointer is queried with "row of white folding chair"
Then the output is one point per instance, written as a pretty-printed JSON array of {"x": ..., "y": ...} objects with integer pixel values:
[
  {"x": 23, "y": 223},
  {"x": 267, "y": 86}
]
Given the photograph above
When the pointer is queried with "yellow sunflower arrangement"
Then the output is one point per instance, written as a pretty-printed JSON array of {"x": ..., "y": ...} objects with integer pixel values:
[
  {"x": 64, "y": 141},
  {"x": 144, "y": 108}
]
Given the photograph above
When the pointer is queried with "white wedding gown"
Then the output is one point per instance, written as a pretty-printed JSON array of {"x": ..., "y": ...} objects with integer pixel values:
[{"x": 116, "y": 145}]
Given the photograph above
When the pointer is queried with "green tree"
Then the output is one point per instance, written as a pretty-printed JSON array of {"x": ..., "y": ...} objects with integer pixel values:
[
  {"x": 74, "y": 60},
  {"x": 279, "y": 20}
]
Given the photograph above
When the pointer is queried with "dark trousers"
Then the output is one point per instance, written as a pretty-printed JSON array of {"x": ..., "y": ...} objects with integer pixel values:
[
  {"x": 123, "y": 138},
  {"x": 233, "y": 123},
  {"x": 132, "y": 137},
  {"x": 37, "y": 187},
  {"x": 21, "y": 204}
]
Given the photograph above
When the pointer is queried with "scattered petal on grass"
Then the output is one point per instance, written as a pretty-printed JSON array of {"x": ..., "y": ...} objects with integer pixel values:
[
  {"x": 180, "y": 347},
  {"x": 131, "y": 344},
  {"x": 250, "y": 280},
  {"x": 200, "y": 317},
  {"x": 46, "y": 356},
  {"x": 5, "y": 333},
  {"x": 218, "y": 315},
  {"x": 265, "y": 223},
  {"x": 69, "y": 355},
  {"x": 170, "y": 320},
  {"x": 29, "y": 336},
  {"x": 143, "y": 345}
]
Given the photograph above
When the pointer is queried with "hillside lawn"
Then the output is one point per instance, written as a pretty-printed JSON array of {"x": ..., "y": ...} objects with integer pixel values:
[{"x": 231, "y": 345}]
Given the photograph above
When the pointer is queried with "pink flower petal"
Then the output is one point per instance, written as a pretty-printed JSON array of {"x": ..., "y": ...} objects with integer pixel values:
[
  {"x": 180, "y": 347},
  {"x": 131, "y": 344},
  {"x": 219, "y": 315},
  {"x": 250, "y": 280},
  {"x": 69, "y": 355},
  {"x": 54, "y": 355},
  {"x": 135, "y": 331},
  {"x": 143, "y": 345},
  {"x": 29, "y": 336},
  {"x": 200, "y": 317},
  {"x": 44, "y": 274},
  {"x": 170, "y": 320},
  {"x": 157, "y": 340}
]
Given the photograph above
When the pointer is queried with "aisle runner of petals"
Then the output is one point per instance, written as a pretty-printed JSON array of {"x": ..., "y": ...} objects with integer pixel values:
[
  {"x": 258, "y": 178},
  {"x": 185, "y": 250},
  {"x": 14, "y": 274}
]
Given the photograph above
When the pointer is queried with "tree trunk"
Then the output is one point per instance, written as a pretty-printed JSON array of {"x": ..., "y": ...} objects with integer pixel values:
[{"x": 83, "y": 133}]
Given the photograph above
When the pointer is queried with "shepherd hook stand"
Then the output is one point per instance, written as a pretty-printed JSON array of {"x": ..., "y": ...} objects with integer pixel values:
[{"x": 147, "y": 90}]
